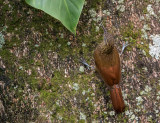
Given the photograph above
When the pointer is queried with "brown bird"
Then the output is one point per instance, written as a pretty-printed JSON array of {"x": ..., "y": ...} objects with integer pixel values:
[{"x": 107, "y": 63}]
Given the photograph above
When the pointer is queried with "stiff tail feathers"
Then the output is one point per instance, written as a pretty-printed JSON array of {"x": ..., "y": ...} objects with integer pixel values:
[{"x": 117, "y": 99}]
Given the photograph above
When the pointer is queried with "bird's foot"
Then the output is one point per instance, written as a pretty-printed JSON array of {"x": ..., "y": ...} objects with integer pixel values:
[
  {"x": 86, "y": 64},
  {"x": 124, "y": 45}
]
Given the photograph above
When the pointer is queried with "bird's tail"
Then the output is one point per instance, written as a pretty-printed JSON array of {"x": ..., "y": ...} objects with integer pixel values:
[{"x": 117, "y": 99}]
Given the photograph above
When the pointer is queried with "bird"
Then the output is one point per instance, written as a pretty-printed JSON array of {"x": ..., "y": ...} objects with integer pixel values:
[{"x": 107, "y": 61}]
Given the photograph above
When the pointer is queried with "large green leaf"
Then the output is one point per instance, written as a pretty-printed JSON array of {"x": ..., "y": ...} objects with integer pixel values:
[{"x": 67, "y": 11}]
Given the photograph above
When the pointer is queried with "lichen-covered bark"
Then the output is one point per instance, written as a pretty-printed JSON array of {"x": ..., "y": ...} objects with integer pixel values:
[{"x": 41, "y": 78}]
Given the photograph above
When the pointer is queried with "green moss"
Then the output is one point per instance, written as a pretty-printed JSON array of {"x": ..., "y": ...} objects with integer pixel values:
[
  {"x": 133, "y": 36},
  {"x": 125, "y": 120},
  {"x": 46, "y": 34},
  {"x": 41, "y": 119},
  {"x": 94, "y": 3},
  {"x": 81, "y": 121},
  {"x": 128, "y": 32},
  {"x": 60, "y": 89},
  {"x": 145, "y": 11}
]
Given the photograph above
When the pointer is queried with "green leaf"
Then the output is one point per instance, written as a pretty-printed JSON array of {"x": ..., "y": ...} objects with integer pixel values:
[{"x": 66, "y": 11}]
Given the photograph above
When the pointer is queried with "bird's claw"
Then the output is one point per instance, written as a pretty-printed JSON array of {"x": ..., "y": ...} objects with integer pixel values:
[
  {"x": 86, "y": 64},
  {"x": 124, "y": 45}
]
